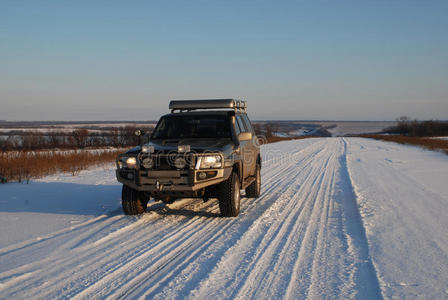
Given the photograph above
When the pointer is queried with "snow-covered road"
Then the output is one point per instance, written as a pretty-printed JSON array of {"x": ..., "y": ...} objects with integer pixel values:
[{"x": 338, "y": 218}]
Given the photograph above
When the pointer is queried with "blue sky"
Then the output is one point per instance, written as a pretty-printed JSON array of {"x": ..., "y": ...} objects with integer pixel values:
[{"x": 124, "y": 60}]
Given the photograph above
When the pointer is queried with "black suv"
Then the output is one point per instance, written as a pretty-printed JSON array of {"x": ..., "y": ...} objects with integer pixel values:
[{"x": 202, "y": 149}]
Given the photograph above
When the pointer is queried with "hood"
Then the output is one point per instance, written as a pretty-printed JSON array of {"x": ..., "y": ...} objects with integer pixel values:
[{"x": 135, "y": 150}]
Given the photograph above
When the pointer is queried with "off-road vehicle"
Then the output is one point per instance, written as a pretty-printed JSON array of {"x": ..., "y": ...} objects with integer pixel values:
[{"x": 202, "y": 149}]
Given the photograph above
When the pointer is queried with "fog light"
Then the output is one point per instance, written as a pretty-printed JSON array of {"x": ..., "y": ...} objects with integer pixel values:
[
  {"x": 180, "y": 163},
  {"x": 202, "y": 175},
  {"x": 147, "y": 163},
  {"x": 148, "y": 149},
  {"x": 183, "y": 148}
]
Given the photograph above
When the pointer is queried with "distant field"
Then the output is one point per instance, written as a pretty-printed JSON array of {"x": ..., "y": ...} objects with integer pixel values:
[
  {"x": 335, "y": 128},
  {"x": 285, "y": 128},
  {"x": 342, "y": 128}
]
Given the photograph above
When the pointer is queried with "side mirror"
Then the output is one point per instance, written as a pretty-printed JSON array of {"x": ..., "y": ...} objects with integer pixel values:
[{"x": 245, "y": 136}]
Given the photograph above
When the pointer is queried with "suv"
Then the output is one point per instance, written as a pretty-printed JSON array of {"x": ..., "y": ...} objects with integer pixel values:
[{"x": 202, "y": 149}]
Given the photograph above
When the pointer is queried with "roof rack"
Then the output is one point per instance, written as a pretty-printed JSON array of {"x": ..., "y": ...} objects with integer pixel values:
[{"x": 189, "y": 105}]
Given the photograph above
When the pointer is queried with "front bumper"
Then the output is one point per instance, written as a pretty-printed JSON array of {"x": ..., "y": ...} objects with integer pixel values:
[{"x": 170, "y": 180}]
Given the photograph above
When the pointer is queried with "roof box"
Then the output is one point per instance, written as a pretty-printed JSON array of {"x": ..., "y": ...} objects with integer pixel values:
[{"x": 188, "y": 105}]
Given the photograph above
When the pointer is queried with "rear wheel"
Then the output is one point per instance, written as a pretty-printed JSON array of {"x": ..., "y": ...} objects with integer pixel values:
[
  {"x": 133, "y": 201},
  {"x": 229, "y": 196},
  {"x": 253, "y": 190}
]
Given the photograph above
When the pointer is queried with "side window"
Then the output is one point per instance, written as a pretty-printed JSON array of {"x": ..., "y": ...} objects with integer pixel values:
[
  {"x": 241, "y": 124},
  {"x": 247, "y": 122},
  {"x": 237, "y": 127}
]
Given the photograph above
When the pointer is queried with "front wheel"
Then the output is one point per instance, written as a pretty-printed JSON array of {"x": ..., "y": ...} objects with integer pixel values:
[
  {"x": 133, "y": 201},
  {"x": 229, "y": 196}
]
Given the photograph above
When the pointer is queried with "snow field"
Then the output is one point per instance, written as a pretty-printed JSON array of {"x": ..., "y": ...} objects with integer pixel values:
[{"x": 337, "y": 218}]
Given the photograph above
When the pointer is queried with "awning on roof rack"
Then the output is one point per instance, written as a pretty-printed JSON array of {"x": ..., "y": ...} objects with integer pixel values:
[{"x": 187, "y": 105}]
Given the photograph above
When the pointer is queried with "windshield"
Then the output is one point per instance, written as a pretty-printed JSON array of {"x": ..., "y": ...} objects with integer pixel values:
[{"x": 192, "y": 126}]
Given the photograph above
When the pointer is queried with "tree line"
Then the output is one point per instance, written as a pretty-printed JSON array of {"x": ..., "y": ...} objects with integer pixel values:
[{"x": 408, "y": 127}]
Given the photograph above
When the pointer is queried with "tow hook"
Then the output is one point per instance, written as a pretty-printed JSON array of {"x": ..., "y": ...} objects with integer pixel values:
[{"x": 159, "y": 186}]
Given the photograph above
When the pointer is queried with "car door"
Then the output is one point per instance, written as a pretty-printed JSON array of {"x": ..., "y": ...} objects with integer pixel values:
[
  {"x": 245, "y": 148},
  {"x": 252, "y": 150}
]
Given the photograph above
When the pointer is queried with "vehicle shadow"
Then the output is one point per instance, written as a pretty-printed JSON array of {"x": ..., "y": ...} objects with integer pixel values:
[
  {"x": 164, "y": 210},
  {"x": 79, "y": 199},
  {"x": 187, "y": 213},
  {"x": 60, "y": 198}
]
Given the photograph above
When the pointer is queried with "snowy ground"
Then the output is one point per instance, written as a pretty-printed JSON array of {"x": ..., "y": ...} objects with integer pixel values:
[
  {"x": 338, "y": 218},
  {"x": 441, "y": 137}
]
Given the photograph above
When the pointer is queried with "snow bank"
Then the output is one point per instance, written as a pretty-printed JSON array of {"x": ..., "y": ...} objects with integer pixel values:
[{"x": 403, "y": 198}]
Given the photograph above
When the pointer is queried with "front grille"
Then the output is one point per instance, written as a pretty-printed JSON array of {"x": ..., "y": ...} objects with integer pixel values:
[{"x": 164, "y": 163}]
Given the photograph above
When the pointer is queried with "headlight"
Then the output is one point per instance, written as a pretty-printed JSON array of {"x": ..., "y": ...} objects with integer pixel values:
[
  {"x": 210, "y": 162},
  {"x": 129, "y": 162}
]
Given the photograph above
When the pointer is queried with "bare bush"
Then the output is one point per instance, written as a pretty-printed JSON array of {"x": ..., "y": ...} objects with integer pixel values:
[
  {"x": 25, "y": 165},
  {"x": 258, "y": 128},
  {"x": 80, "y": 137},
  {"x": 271, "y": 129},
  {"x": 428, "y": 143},
  {"x": 407, "y": 127}
]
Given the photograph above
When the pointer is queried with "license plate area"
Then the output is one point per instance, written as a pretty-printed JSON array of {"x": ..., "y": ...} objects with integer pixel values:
[{"x": 164, "y": 174}]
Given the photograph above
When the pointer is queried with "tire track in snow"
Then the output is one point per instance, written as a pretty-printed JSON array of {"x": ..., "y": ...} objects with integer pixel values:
[
  {"x": 360, "y": 280},
  {"x": 34, "y": 241},
  {"x": 106, "y": 256},
  {"x": 289, "y": 233},
  {"x": 254, "y": 254},
  {"x": 315, "y": 241}
]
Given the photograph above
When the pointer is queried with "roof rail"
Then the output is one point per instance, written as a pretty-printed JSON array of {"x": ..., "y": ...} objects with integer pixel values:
[{"x": 189, "y": 105}]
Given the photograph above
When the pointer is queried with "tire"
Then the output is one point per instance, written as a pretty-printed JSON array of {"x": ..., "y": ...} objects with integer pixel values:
[
  {"x": 228, "y": 193},
  {"x": 254, "y": 189},
  {"x": 133, "y": 201}
]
